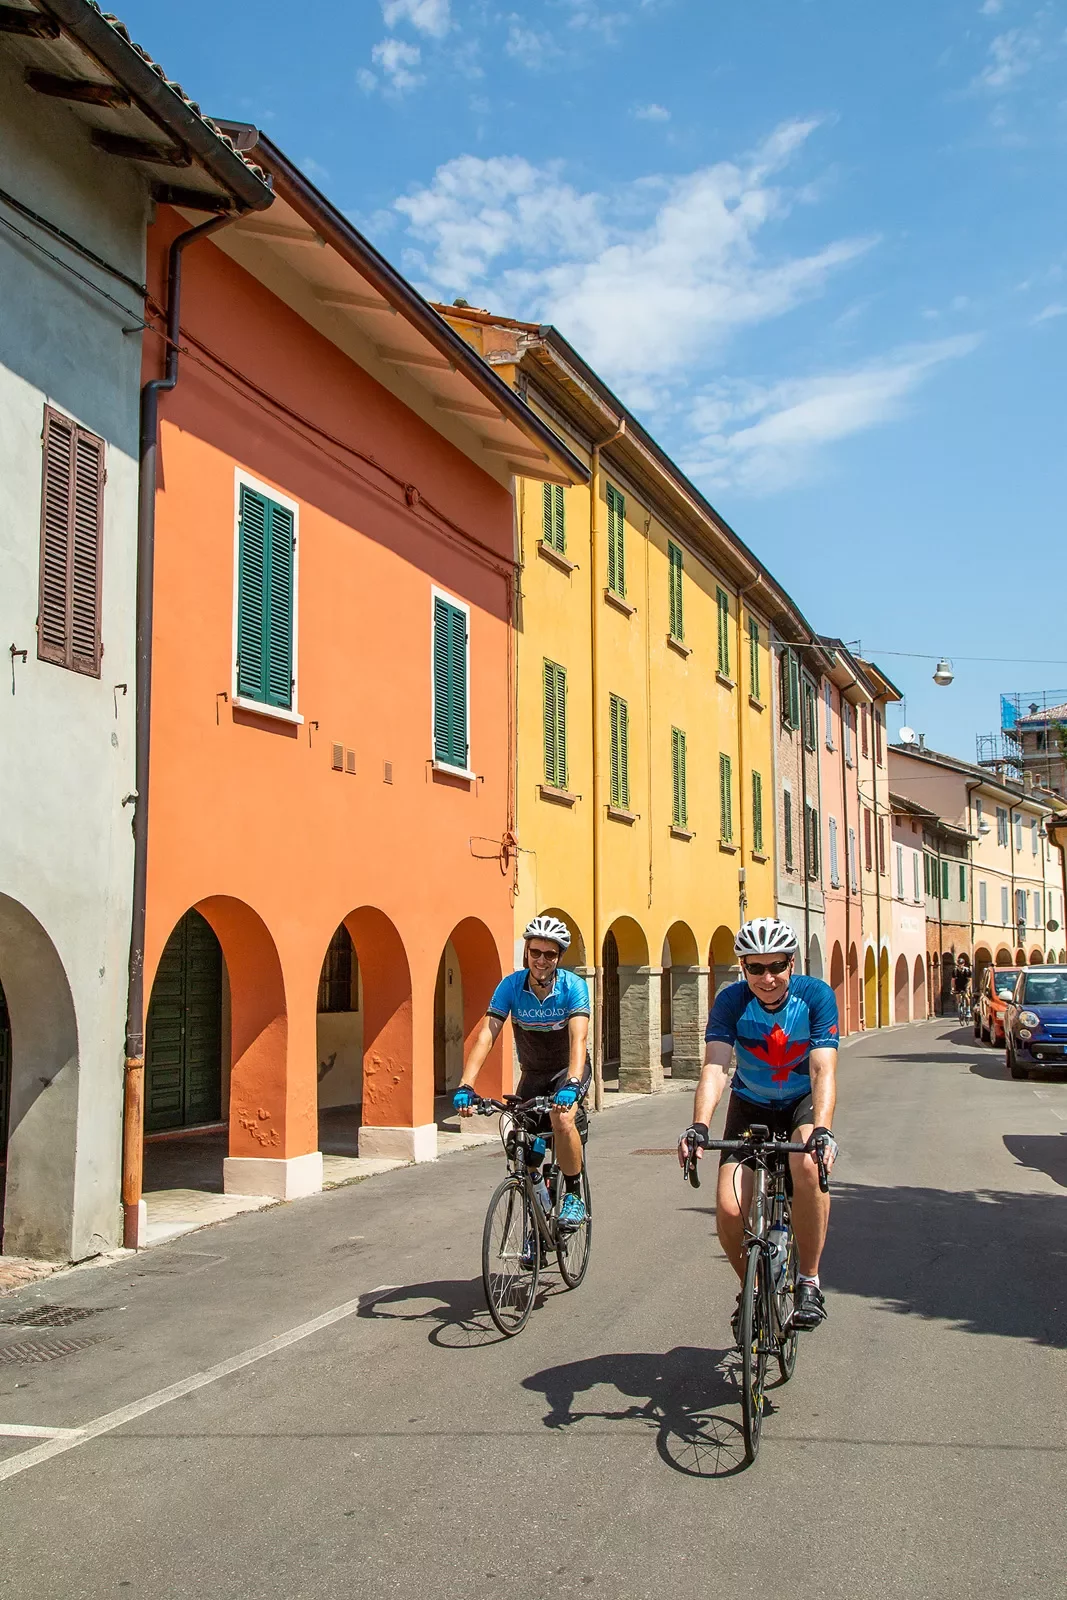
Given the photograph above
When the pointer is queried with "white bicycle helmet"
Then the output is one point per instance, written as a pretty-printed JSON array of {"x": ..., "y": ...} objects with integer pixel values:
[
  {"x": 548, "y": 928},
  {"x": 765, "y": 936}
]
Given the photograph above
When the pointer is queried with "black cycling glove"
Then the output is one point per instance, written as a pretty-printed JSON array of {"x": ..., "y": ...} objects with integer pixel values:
[
  {"x": 822, "y": 1139},
  {"x": 697, "y": 1134}
]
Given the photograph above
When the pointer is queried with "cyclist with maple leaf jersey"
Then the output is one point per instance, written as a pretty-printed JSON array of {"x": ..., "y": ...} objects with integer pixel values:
[{"x": 783, "y": 1028}]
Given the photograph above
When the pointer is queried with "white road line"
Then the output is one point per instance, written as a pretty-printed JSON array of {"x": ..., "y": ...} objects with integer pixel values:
[
  {"x": 71, "y": 1440},
  {"x": 23, "y": 1430}
]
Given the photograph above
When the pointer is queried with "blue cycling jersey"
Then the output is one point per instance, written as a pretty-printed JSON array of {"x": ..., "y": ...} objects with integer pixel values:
[
  {"x": 542, "y": 1039},
  {"x": 773, "y": 1047}
]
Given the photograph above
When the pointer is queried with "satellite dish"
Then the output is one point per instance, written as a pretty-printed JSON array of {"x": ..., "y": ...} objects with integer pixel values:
[{"x": 906, "y": 735}]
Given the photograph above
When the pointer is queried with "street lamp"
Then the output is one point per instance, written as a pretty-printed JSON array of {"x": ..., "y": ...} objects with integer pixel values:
[{"x": 943, "y": 673}]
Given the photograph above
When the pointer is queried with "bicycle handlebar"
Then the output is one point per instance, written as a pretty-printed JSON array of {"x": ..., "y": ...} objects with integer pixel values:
[
  {"x": 485, "y": 1107},
  {"x": 753, "y": 1147}
]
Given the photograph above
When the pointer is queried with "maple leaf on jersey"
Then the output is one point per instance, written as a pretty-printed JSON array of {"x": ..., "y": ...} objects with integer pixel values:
[{"x": 776, "y": 1050}]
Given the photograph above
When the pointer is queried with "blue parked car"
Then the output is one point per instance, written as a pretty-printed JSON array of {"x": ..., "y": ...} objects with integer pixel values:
[{"x": 1035, "y": 1021}]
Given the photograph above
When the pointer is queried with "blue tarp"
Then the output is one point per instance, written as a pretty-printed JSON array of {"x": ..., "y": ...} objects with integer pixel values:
[{"x": 1009, "y": 714}]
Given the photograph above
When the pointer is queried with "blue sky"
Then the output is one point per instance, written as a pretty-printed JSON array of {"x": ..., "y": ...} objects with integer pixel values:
[{"x": 819, "y": 246}]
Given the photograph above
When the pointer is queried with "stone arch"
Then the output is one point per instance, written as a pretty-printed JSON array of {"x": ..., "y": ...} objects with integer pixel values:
[
  {"x": 1037, "y": 958},
  {"x": 387, "y": 1091},
  {"x": 870, "y": 989},
  {"x": 901, "y": 987},
  {"x": 1020, "y": 957},
  {"x": 725, "y": 967},
  {"x": 632, "y": 1012},
  {"x": 43, "y": 1077},
  {"x": 815, "y": 966},
  {"x": 479, "y": 973},
  {"x": 574, "y": 955},
  {"x": 883, "y": 987},
  {"x": 854, "y": 1008},
  {"x": 982, "y": 959},
  {"x": 684, "y": 1008},
  {"x": 837, "y": 983},
  {"x": 1004, "y": 958},
  {"x": 936, "y": 993},
  {"x": 918, "y": 991}
]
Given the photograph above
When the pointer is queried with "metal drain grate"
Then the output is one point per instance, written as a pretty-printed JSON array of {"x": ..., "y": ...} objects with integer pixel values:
[
  {"x": 32, "y": 1350},
  {"x": 50, "y": 1316}
]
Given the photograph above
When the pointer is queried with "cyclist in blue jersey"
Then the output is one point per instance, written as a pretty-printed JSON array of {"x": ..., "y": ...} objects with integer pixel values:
[
  {"x": 782, "y": 1028},
  {"x": 549, "y": 1009}
]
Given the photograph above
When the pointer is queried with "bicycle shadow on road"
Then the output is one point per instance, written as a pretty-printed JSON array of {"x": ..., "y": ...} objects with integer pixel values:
[
  {"x": 454, "y": 1308},
  {"x": 680, "y": 1393}
]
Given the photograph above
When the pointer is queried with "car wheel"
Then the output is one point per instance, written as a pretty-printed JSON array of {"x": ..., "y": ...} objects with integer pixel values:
[
  {"x": 977, "y": 1026},
  {"x": 1013, "y": 1065},
  {"x": 984, "y": 1035}
]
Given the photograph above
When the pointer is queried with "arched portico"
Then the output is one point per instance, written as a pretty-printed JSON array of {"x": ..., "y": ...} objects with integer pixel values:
[
  {"x": 685, "y": 994},
  {"x": 837, "y": 984},
  {"x": 632, "y": 1012},
  {"x": 854, "y": 1010},
  {"x": 815, "y": 963},
  {"x": 918, "y": 991},
  {"x": 901, "y": 988},
  {"x": 870, "y": 989},
  {"x": 883, "y": 987},
  {"x": 725, "y": 967}
]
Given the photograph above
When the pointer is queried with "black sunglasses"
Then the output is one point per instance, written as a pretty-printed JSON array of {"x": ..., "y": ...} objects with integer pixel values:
[{"x": 775, "y": 967}]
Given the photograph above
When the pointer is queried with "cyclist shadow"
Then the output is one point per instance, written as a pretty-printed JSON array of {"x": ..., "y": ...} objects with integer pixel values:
[
  {"x": 681, "y": 1393},
  {"x": 454, "y": 1309}
]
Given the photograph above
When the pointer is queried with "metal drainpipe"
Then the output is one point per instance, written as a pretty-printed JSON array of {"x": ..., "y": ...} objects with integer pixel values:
[
  {"x": 594, "y": 677},
  {"x": 133, "y": 1081}
]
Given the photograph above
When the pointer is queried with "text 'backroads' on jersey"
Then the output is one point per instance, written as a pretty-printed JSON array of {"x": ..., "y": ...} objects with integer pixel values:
[
  {"x": 773, "y": 1047},
  {"x": 541, "y": 1035}
]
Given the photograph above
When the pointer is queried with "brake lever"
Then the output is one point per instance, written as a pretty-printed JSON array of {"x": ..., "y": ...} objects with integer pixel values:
[
  {"x": 824, "y": 1182},
  {"x": 690, "y": 1169}
]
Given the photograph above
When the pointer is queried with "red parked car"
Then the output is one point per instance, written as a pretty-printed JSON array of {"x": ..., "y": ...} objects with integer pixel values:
[{"x": 994, "y": 991}]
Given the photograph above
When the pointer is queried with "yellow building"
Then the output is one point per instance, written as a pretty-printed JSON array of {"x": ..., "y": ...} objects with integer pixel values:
[{"x": 645, "y": 799}]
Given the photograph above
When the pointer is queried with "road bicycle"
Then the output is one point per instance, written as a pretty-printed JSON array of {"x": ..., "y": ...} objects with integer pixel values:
[
  {"x": 765, "y": 1324},
  {"x": 522, "y": 1228},
  {"x": 963, "y": 1007}
]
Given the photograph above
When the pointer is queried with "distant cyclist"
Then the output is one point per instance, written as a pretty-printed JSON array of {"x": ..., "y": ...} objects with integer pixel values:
[
  {"x": 783, "y": 1028},
  {"x": 549, "y": 1009},
  {"x": 961, "y": 986}
]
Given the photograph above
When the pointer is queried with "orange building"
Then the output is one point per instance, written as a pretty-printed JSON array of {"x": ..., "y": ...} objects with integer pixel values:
[{"x": 330, "y": 803}]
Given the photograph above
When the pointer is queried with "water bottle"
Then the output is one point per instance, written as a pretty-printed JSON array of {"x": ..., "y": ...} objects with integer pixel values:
[
  {"x": 777, "y": 1237},
  {"x": 543, "y": 1196}
]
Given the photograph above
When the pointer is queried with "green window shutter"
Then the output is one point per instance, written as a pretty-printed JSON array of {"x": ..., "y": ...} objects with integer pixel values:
[
  {"x": 561, "y": 727},
  {"x": 723, "y": 602},
  {"x": 624, "y": 754},
  {"x": 757, "y": 813},
  {"x": 753, "y": 657},
  {"x": 616, "y": 541},
  {"x": 679, "y": 798},
  {"x": 553, "y": 531},
  {"x": 550, "y": 720},
  {"x": 677, "y": 620},
  {"x": 794, "y": 690},
  {"x": 558, "y": 521},
  {"x": 547, "y": 517},
  {"x": 449, "y": 683},
  {"x": 615, "y": 786},
  {"x": 555, "y": 685},
  {"x": 787, "y": 825},
  {"x": 264, "y": 600},
  {"x": 726, "y": 810},
  {"x": 963, "y": 883},
  {"x": 944, "y": 880}
]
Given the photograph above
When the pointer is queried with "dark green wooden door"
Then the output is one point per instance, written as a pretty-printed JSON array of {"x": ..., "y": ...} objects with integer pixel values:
[
  {"x": 5, "y": 1076},
  {"x": 183, "y": 1037}
]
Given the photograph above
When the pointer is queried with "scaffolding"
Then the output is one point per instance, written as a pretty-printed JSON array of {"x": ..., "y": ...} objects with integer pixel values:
[{"x": 1030, "y": 746}]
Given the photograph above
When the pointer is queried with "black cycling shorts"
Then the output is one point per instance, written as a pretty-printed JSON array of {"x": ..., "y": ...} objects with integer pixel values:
[
  {"x": 533, "y": 1084},
  {"x": 782, "y": 1119}
]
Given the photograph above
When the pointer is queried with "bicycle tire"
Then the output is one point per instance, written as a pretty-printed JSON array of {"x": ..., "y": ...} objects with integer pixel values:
[
  {"x": 753, "y": 1343},
  {"x": 510, "y": 1289},
  {"x": 573, "y": 1248},
  {"x": 788, "y": 1336}
]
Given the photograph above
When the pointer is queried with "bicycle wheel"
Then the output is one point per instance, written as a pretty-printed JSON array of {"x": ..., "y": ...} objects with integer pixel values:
[
  {"x": 510, "y": 1287},
  {"x": 572, "y": 1249},
  {"x": 755, "y": 1327},
  {"x": 787, "y": 1334}
]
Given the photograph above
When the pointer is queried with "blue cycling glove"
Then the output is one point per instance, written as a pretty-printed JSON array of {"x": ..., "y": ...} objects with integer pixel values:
[
  {"x": 568, "y": 1095},
  {"x": 463, "y": 1097}
]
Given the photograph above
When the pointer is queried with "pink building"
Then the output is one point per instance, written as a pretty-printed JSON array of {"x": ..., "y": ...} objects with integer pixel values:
[
  {"x": 842, "y": 691},
  {"x": 910, "y": 998}
]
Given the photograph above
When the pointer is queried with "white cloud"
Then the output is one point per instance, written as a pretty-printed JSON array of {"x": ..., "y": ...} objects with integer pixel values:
[
  {"x": 398, "y": 61},
  {"x": 991, "y": 8},
  {"x": 426, "y": 16},
  {"x": 645, "y": 280},
  {"x": 1053, "y": 310},
  {"x": 528, "y": 47},
  {"x": 652, "y": 113},
  {"x": 366, "y": 80},
  {"x": 590, "y": 15},
  {"x": 1011, "y": 56},
  {"x": 763, "y": 438}
]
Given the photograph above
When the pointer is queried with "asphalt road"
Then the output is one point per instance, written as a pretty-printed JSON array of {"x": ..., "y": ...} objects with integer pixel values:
[{"x": 402, "y": 1447}]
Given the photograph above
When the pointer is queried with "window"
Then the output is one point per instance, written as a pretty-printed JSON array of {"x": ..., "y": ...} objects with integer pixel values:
[
  {"x": 1018, "y": 833},
  {"x": 554, "y": 532},
  {"x": 983, "y": 902},
  {"x": 339, "y": 978},
  {"x": 828, "y": 699},
  {"x": 757, "y": 813},
  {"x": 726, "y": 799},
  {"x": 674, "y": 556},
  {"x": 865, "y": 748},
  {"x": 450, "y": 735},
  {"x": 1038, "y": 919},
  {"x": 835, "y": 866},
  {"x": 868, "y": 855},
  {"x": 616, "y": 541},
  {"x": 1004, "y": 904},
  {"x": 944, "y": 880},
  {"x": 900, "y": 870},
  {"x": 881, "y": 846},
  {"x": 1020, "y": 906},
  {"x": 878, "y": 737},
  {"x": 753, "y": 658},
  {"x": 619, "y": 716},
  {"x": 963, "y": 884},
  {"x": 266, "y": 551},
  {"x": 917, "y": 896},
  {"x": 722, "y": 601},
  {"x": 72, "y": 523},
  {"x": 978, "y": 813},
  {"x": 790, "y": 689},
  {"x": 812, "y": 840},
  {"x": 810, "y": 716},
  {"x": 787, "y": 828},
  {"x": 853, "y": 868},
  {"x": 555, "y": 689},
  {"x": 1033, "y": 836},
  {"x": 848, "y": 714},
  {"x": 679, "y": 802},
  {"x": 1002, "y": 826},
  {"x": 926, "y": 873}
]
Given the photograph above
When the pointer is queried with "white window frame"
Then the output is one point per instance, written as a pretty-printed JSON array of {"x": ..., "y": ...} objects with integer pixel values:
[
  {"x": 277, "y": 713},
  {"x": 900, "y": 871},
  {"x": 1033, "y": 836},
  {"x": 983, "y": 901},
  {"x": 834, "y": 853},
  {"x": 460, "y": 605},
  {"x": 828, "y": 696},
  {"x": 1005, "y": 905},
  {"x": 916, "y": 877}
]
